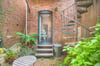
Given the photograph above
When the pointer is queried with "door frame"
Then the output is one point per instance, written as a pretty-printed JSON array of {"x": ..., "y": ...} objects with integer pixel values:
[{"x": 45, "y": 12}]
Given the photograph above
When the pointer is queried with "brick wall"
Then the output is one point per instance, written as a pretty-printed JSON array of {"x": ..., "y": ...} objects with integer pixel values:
[
  {"x": 15, "y": 17},
  {"x": 51, "y": 5},
  {"x": 14, "y": 20}
]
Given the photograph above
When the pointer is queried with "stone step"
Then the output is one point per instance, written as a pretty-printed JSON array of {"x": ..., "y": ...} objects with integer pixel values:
[
  {"x": 38, "y": 49},
  {"x": 45, "y": 45},
  {"x": 44, "y": 54}
]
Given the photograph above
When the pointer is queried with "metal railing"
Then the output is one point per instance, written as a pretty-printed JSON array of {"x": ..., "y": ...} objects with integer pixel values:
[{"x": 71, "y": 14}]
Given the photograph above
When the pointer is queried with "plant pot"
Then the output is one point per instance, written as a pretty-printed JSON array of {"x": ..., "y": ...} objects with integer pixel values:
[{"x": 2, "y": 59}]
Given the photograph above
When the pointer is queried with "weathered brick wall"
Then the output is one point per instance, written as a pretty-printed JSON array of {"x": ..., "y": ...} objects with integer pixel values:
[
  {"x": 40, "y": 5},
  {"x": 14, "y": 20},
  {"x": 15, "y": 17}
]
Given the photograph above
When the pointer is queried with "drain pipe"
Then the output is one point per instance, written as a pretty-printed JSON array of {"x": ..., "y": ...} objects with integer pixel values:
[
  {"x": 26, "y": 21},
  {"x": 27, "y": 9}
]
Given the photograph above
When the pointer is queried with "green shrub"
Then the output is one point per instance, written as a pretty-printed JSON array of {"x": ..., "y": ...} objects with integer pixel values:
[
  {"x": 1, "y": 51},
  {"x": 85, "y": 53},
  {"x": 26, "y": 51},
  {"x": 27, "y": 47},
  {"x": 10, "y": 56},
  {"x": 29, "y": 39}
]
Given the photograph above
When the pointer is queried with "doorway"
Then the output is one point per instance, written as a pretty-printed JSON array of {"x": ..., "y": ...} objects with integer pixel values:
[{"x": 45, "y": 26}]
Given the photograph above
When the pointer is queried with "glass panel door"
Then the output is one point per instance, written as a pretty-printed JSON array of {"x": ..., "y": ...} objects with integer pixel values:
[{"x": 45, "y": 29}]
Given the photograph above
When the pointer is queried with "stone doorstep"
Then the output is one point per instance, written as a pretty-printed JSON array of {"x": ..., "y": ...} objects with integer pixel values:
[
  {"x": 44, "y": 54},
  {"x": 44, "y": 49},
  {"x": 44, "y": 45}
]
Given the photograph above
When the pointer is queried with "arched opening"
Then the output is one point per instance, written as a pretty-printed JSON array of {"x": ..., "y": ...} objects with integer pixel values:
[{"x": 45, "y": 27}]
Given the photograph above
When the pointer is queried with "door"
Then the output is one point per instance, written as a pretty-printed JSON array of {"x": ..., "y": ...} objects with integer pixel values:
[{"x": 45, "y": 27}]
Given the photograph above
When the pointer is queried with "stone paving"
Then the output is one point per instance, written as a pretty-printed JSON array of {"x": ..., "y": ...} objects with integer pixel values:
[{"x": 48, "y": 62}]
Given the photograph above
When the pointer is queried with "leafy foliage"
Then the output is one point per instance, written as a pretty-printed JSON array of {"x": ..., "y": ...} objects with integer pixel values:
[
  {"x": 28, "y": 39},
  {"x": 1, "y": 51},
  {"x": 26, "y": 51},
  {"x": 10, "y": 56},
  {"x": 85, "y": 53}
]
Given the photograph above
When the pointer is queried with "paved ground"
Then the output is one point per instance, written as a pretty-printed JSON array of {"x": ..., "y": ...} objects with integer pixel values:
[{"x": 49, "y": 62}]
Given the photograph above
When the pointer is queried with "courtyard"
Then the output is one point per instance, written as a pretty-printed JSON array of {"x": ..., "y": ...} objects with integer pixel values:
[{"x": 49, "y": 33}]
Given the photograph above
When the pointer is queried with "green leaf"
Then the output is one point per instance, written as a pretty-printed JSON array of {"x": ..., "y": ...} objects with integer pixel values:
[
  {"x": 33, "y": 39},
  {"x": 92, "y": 27},
  {"x": 88, "y": 63},
  {"x": 64, "y": 49},
  {"x": 98, "y": 20},
  {"x": 73, "y": 61},
  {"x": 19, "y": 33},
  {"x": 94, "y": 41},
  {"x": 34, "y": 35},
  {"x": 98, "y": 16},
  {"x": 66, "y": 60},
  {"x": 62, "y": 64},
  {"x": 92, "y": 32},
  {"x": 97, "y": 64}
]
